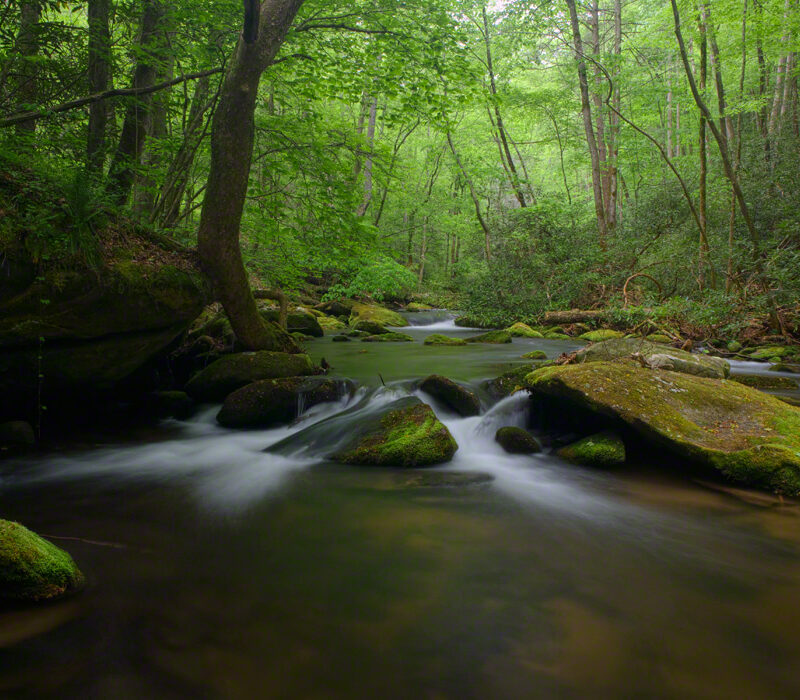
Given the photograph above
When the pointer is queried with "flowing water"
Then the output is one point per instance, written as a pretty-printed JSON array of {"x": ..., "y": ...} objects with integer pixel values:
[{"x": 219, "y": 570}]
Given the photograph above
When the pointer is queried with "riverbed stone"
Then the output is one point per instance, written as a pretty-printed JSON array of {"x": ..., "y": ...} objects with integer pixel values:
[
  {"x": 329, "y": 323},
  {"x": 604, "y": 449},
  {"x": 766, "y": 382},
  {"x": 785, "y": 367},
  {"x": 535, "y": 355},
  {"x": 296, "y": 322},
  {"x": 388, "y": 337},
  {"x": 522, "y": 330},
  {"x": 415, "y": 307},
  {"x": 406, "y": 434},
  {"x": 516, "y": 440},
  {"x": 337, "y": 307},
  {"x": 439, "y": 339},
  {"x": 492, "y": 337},
  {"x": 461, "y": 400},
  {"x": 600, "y": 335},
  {"x": 233, "y": 371},
  {"x": 746, "y": 435},
  {"x": 370, "y": 327},
  {"x": 33, "y": 569},
  {"x": 771, "y": 351},
  {"x": 656, "y": 355},
  {"x": 274, "y": 401},
  {"x": 172, "y": 404},
  {"x": 377, "y": 314},
  {"x": 511, "y": 381}
]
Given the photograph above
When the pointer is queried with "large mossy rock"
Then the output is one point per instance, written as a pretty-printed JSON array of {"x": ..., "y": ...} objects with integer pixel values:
[
  {"x": 329, "y": 323},
  {"x": 769, "y": 351},
  {"x": 33, "y": 569},
  {"x": 461, "y": 400},
  {"x": 439, "y": 339},
  {"x": 604, "y": 449},
  {"x": 748, "y": 436},
  {"x": 511, "y": 381},
  {"x": 369, "y": 327},
  {"x": 88, "y": 330},
  {"x": 231, "y": 372},
  {"x": 378, "y": 314},
  {"x": 656, "y": 355},
  {"x": 408, "y": 434},
  {"x": 296, "y": 322},
  {"x": 522, "y": 330},
  {"x": 600, "y": 335},
  {"x": 274, "y": 401},
  {"x": 492, "y": 337},
  {"x": 340, "y": 307},
  {"x": 388, "y": 337}
]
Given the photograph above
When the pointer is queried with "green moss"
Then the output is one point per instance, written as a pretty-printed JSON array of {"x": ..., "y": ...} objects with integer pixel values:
[
  {"x": 554, "y": 335},
  {"x": 407, "y": 437},
  {"x": 601, "y": 335},
  {"x": 535, "y": 355},
  {"x": 439, "y": 339},
  {"x": 329, "y": 323},
  {"x": 604, "y": 449},
  {"x": 457, "y": 397},
  {"x": 659, "y": 338},
  {"x": 493, "y": 337},
  {"x": 389, "y": 337},
  {"x": 521, "y": 330},
  {"x": 761, "y": 381},
  {"x": 513, "y": 380},
  {"x": 734, "y": 346},
  {"x": 517, "y": 441},
  {"x": 32, "y": 568},
  {"x": 772, "y": 351},
  {"x": 747, "y": 435},
  {"x": 369, "y": 327},
  {"x": 414, "y": 306},
  {"x": 378, "y": 314}
]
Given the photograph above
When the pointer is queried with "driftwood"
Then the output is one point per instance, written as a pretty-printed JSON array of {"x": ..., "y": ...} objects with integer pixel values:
[
  {"x": 275, "y": 294},
  {"x": 574, "y": 316}
]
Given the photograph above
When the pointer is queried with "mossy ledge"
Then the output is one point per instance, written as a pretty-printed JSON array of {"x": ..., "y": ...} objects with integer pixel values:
[
  {"x": 33, "y": 569},
  {"x": 746, "y": 435}
]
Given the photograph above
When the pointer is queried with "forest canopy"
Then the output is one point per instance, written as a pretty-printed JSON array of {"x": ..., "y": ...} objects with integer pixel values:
[{"x": 506, "y": 158}]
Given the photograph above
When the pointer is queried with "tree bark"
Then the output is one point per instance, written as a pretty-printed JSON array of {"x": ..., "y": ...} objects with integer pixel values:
[
  {"x": 99, "y": 70},
  {"x": 702, "y": 205},
  {"x": 137, "y": 116},
  {"x": 586, "y": 113},
  {"x": 373, "y": 114},
  {"x": 28, "y": 48},
  {"x": 232, "y": 139}
]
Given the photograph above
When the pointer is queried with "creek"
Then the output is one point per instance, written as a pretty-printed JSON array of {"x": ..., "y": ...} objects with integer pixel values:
[{"x": 218, "y": 570}]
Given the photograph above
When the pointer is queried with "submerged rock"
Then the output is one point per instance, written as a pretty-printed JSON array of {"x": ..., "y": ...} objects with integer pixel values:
[
  {"x": 762, "y": 381},
  {"x": 403, "y": 436},
  {"x": 369, "y": 327},
  {"x": 517, "y": 441},
  {"x": 600, "y": 335},
  {"x": 604, "y": 449},
  {"x": 522, "y": 330},
  {"x": 275, "y": 401},
  {"x": 461, "y": 400},
  {"x": 388, "y": 337},
  {"x": 33, "y": 569},
  {"x": 231, "y": 372},
  {"x": 341, "y": 339},
  {"x": 435, "y": 479},
  {"x": 656, "y": 355},
  {"x": 439, "y": 339},
  {"x": 746, "y": 435},
  {"x": 494, "y": 337},
  {"x": 377, "y": 314}
]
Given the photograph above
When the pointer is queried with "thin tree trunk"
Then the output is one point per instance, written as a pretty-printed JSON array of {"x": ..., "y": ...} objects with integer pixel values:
[
  {"x": 586, "y": 113},
  {"x": 28, "y": 48},
  {"x": 613, "y": 134},
  {"x": 373, "y": 113},
  {"x": 702, "y": 141},
  {"x": 99, "y": 71},
  {"x": 763, "y": 76},
  {"x": 774, "y": 124},
  {"x": 232, "y": 138},
  {"x": 137, "y": 116},
  {"x": 602, "y": 152},
  {"x": 423, "y": 250}
]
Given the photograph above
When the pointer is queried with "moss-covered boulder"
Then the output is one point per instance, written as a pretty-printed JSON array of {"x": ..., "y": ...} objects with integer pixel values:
[
  {"x": 511, "y": 381},
  {"x": 296, "y": 322},
  {"x": 766, "y": 382},
  {"x": 329, "y": 323},
  {"x": 377, "y": 314},
  {"x": 493, "y": 337},
  {"x": 600, "y": 335},
  {"x": 337, "y": 307},
  {"x": 555, "y": 335},
  {"x": 231, "y": 372},
  {"x": 535, "y": 355},
  {"x": 341, "y": 339},
  {"x": 659, "y": 338},
  {"x": 274, "y": 401},
  {"x": 460, "y": 399},
  {"x": 407, "y": 434},
  {"x": 746, "y": 435},
  {"x": 369, "y": 327},
  {"x": 734, "y": 346},
  {"x": 389, "y": 337},
  {"x": 439, "y": 339},
  {"x": 657, "y": 356},
  {"x": 517, "y": 441},
  {"x": 522, "y": 330},
  {"x": 33, "y": 569},
  {"x": 769, "y": 351},
  {"x": 604, "y": 449},
  {"x": 415, "y": 307},
  {"x": 785, "y": 367},
  {"x": 356, "y": 334},
  {"x": 172, "y": 404}
]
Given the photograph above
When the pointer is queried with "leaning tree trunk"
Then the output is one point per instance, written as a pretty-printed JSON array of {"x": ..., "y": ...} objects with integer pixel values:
[{"x": 232, "y": 138}]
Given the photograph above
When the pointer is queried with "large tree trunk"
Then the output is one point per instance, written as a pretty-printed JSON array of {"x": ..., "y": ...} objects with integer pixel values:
[
  {"x": 232, "y": 138},
  {"x": 586, "y": 113},
  {"x": 28, "y": 47},
  {"x": 99, "y": 70},
  {"x": 137, "y": 115}
]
